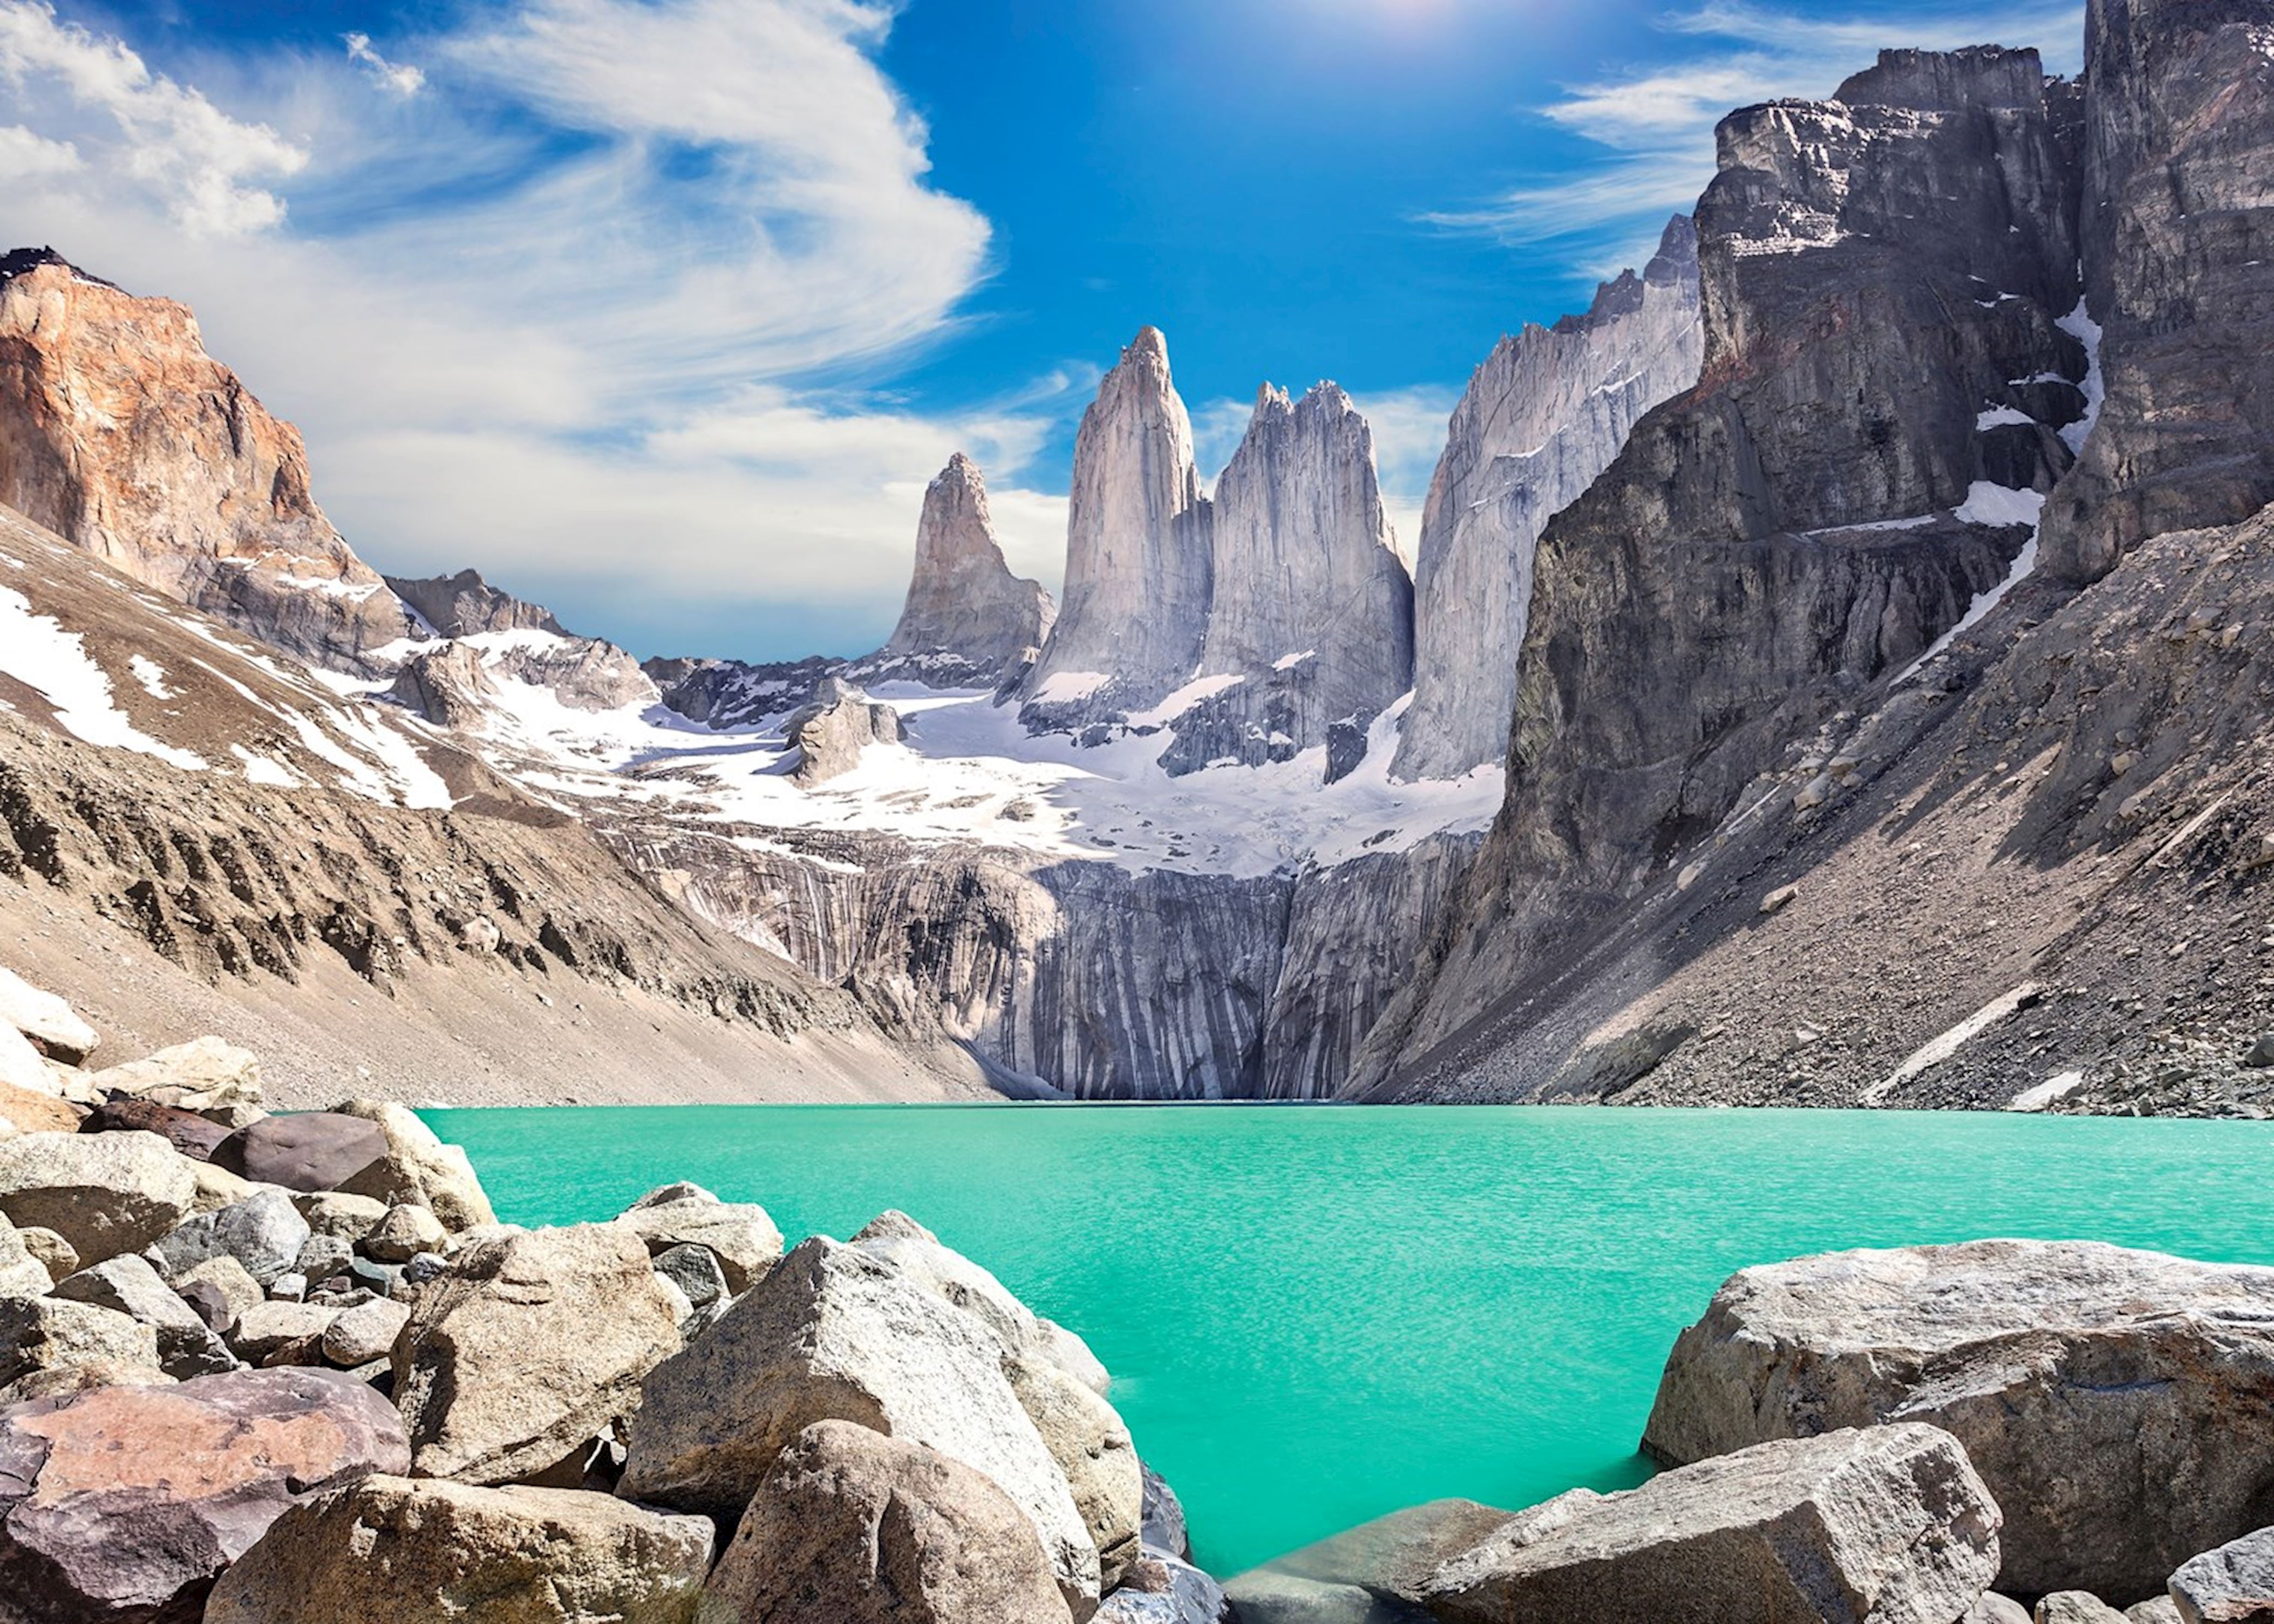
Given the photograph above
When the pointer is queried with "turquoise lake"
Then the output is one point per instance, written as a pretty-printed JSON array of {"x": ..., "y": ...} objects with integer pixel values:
[{"x": 1317, "y": 1316}]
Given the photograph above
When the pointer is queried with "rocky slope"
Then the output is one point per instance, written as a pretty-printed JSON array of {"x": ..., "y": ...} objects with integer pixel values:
[
  {"x": 1543, "y": 417},
  {"x": 119, "y": 433},
  {"x": 968, "y": 622}
]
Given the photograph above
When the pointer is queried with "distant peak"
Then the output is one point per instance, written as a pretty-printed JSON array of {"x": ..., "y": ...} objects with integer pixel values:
[{"x": 960, "y": 468}]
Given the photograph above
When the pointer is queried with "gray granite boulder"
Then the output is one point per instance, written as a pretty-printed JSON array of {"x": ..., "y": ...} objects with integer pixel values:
[
  {"x": 402, "y": 1234},
  {"x": 264, "y": 1232},
  {"x": 2074, "y": 1607},
  {"x": 737, "y": 1233},
  {"x": 205, "y": 1075},
  {"x": 1888, "y": 1525},
  {"x": 953, "y": 1278},
  {"x": 1091, "y": 1445},
  {"x": 417, "y": 1167},
  {"x": 365, "y": 1332},
  {"x": 187, "y": 1345},
  {"x": 105, "y": 1193},
  {"x": 51, "y": 1332},
  {"x": 2233, "y": 1584},
  {"x": 48, "y": 1020},
  {"x": 21, "y": 1274},
  {"x": 2119, "y": 1404},
  {"x": 852, "y": 1527},
  {"x": 391, "y": 1550}
]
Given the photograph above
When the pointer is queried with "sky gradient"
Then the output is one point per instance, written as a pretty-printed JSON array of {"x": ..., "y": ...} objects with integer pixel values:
[{"x": 664, "y": 311}]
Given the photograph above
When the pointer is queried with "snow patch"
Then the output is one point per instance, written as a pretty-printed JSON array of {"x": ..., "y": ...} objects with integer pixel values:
[
  {"x": 1288, "y": 662},
  {"x": 2079, "y": 325},
  {"x": 37, "y": 651},
  {"x": 2000, "y": 506},
  {"x": 2052, "y": 1090},
  {"x": 266, "y": 770},
  {"x": 1064, "y": 688},
  {"x": 152, "y": 676},
  {"x": 1183, "y": 700},
  {"x": 2002, "y": 417}
]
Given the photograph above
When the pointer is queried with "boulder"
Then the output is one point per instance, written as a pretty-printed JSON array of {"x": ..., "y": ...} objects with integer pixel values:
[
  {"x": 187, "y": 1345},
  {"x": 323, "y": 1256},
  {"x": 2074, "y": 1607},
  {"x": 1162, "y": 1531},
  {"x": 1368, "y": 1574},
  {"x": 953, "y": 1278},
  {"x": 1996, "y": 1609},
  {"x": 2119, "y": 1404},
  {"x": 391, "y": 1550},
  {"x": 32, "y": 1110},
  {"x": 23, "y": 1068},
  {"x": 46, "y": 1019},
  {"x": 190, "y": 1135},
  {"x": 203, "y": 1075},
  {"x": 528, "y": 1347},
  {"x": 105, "y": 1193},
  {"x": 1888, "y": 1524},
  {"x": 335, "y": 1213},
  {"x": 218, "y": 1187},
  {"x": 311, "y": 1151},
  {"x": 695, "y": 1271},
  {"x": 402, "y": 1234},
  {"x": 737, "y": 1233},
  {"x": 53, "y": 1252},
  {"x": 264, "y": 1232},
  {"x": 21, "y": 1274},
  {"x": 67, "y": 1380},
  {"x": 1093, "y": 1448},
  {"x": 2155, "y": 1610},
  {"x": 2233, "y": 1584},
  {"x": 277, "y": 1333},
  {"x": 1269, "y": 1596},
  {"x": 227, "y": 1280},
  {"x": 47, "y": 1332},
  {"x": 835, "y": 1333},
  {"x": 124, "y": 1503},
  {"x": 365, "y": 1333},
  {"x": 417, "y": 1168},
  {"x": 1161, "y": 1590},
  {"x": 852, "y": 1527}
]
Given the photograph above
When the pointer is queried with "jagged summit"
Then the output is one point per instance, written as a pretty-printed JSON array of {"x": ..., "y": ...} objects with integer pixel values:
[
  {"x": 465, "y": 605},
  {"x": 966, "y": 612},
  {"x": 18, "y": 262}
]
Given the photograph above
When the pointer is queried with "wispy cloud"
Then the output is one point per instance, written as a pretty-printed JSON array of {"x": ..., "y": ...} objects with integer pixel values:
[
  {"x": 1653, "y": 124},
  {"x": 401, "y": 78}
]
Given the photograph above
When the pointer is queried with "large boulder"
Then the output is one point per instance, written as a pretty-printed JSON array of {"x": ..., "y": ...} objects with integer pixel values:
[
  {"x": 402, "y": 1234},
  {"x": 205, "y": 1075},
  {"x": 1885, "y": 1526},
  {"x": 190, "y": 1134},
  {"x": 34, "y": 1111},
  {"x": 187, "y": 1345},
  {"x": 365, "y": 1333},
  {"x": 418, "y": 1168},
  {"x": 21, "y": 1274},
  {"x": 391, "y": 1549},
  {"x": 280, "y": 1332},
  {"x": 530, "y": 1347},
  {"x": 264, "y": 1232},
  {"x": 105, "y": 1193},
  {"x": 2119, "y": 1404},
  {"x": 2233, "y": 1584},
  {"x": 45, "y": 1019},
  {"x": 334, "y": 1213},
  {"x": 310, "y": 1151},
  {"x": 853, "y": 1527},
  {"x": 953, "y": 1278},
  {"x": 834, "y": 1333},
  {"x": 121, "y": 1504},
  {"x": 1092, "y": 1447},
  {"x": 49, "y": 1332},
  {"x": 22, "y": 1067},
  {"x": 738, "y": 1234},
  {"x": 1161, "y": 1590}
]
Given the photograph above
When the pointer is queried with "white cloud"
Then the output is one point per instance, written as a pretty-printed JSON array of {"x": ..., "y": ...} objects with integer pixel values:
[
  {"x": 159, "y": 140},
  {"x": 401, "y": 78},
  {"x": 26, "y": 156},
  {"x": 1656, "y": 124}
]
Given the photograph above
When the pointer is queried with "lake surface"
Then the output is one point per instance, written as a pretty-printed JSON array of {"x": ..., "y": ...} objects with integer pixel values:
[{"x": 1317, "y": 1316}]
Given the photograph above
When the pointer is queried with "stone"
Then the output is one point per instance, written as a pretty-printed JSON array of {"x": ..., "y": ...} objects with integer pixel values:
[
  {"x": 332, "y": 1212},
  {"x": 22, "y": 1273},
  {"x": 466, "y": 605},
  {"x": 1996, "y": 1609},
  {"x": 1092, "y": 1447},
  {"x": 48, "y": 1020},
  {"x": 738, "y": 1233},
  {"x": 382, "y": 1278},
  {"x": 526, "y": 1349},
  {"x": 32, "y": 1110},
  {"x": 2261, "y": 1054},
  {"x": 263, "y": 1232},
  {"x": 365, "y": 1333},
  {"x": 836, "y": 1333},
  {"x": 2233, "y": 1585},
  {"x": 56, "y": 1254},
  {"x": 204, "y": 1074},
  {"x": 830, "y": 733},
  {"x": 67, "y": 1380},
  {"x": 1267, "y": 1596},
  {"x": 217, "y": 1188},
  {"x": 1368, "y": 1574},
  {"x": 1886, "y": 1524},
  {"x": 965, "y": 609},
  {"x": 2119, "y": 1404},
  {"x": 695, "y": 1271},
  {"x": 281, "y": 1331},
  {"x": 307, "y": 1151},
  {"x": 1161, "y": 1590},
  {"x": 1162, "y": 1530},
  {"x": 393, "y": 1550},
  {"x": 323, "y": 1256},
  {"x": 23, "y": 1068},
  {"x": 51, "y": 1332},
  {"x": 417, "y": 1168},
  {"x": 850, "y": 1526},
  {"x": 425, "y": 1267},
  {"x": 288, "y": 1287},
  {"x": 2074, "y": 1607},
  {"x": 227, "y": 1279},
  {"x": 404, "y": 1233},
  {"x": 1779, "y": 899},
  {"x": 124, "y": 1503},
  {"x": 190, "y": 1134},
  {"x": 104, "y": 1193},
  {"x": 187, "y": 1345},
  {"x": 2155, "y": 1610},
  {"x": 947, "y": 1274}
]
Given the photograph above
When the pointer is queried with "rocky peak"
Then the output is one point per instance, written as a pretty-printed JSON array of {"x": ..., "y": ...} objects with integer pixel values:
[
  {"x": 121, "y": 434},
  {"x": 465, "y": 605},
  {"x": 1541, "y": 418},
  {"x": 1138, "y": 579},
  {"x": 966, "y": 612},
  {"x": 1930, "y": 81},
  {"x": 831, "y": 732}
]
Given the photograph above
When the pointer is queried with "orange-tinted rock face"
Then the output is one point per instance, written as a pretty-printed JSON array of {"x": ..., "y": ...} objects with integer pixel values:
[{"x": 120, "y": 433}]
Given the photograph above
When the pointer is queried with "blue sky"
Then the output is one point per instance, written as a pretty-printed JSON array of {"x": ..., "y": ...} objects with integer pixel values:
[{"x": 663, "y": 312}]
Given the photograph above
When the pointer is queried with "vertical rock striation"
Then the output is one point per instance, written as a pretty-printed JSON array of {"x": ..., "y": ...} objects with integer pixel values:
[
  {"x": 1543, "y": 417},
  {"x": 2178, "y": 247},
  {"x": 1139, "y": 575},
  {"x": 118, "y": 432},
  {"x": 967, "y": 621},
  {"x": 1877, "y": 271}
]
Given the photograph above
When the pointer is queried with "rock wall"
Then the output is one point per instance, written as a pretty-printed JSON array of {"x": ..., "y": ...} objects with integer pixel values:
[
  {"x": 118, "y": 432},
  {"x": 465, "y": 605},
  {"x": 1877, "y": 271},
  {"x": 1542, "y": 417},
  {"x": 966, "y": 612}
]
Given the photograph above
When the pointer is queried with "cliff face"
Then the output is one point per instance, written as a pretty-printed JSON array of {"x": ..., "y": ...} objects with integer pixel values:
[
  {"x": 2178, "y": 244},
  {"x": 1542, "y": 417},
  {"x": 968, "y": 622},
  {"x": 466, "y": 605},
  {"x": 121, "y": 434},
  {"x": 1139, "y": 574},
  {"x": 1878, "y": 273}
]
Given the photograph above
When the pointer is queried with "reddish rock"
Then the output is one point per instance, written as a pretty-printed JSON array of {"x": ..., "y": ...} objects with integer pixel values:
[
  {"x": 314, "y": 1150},
  {"x": 34, "y": 1112},
  {"x": 186, "y": 1131},
  {"x": 123, "y": 1504}
]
